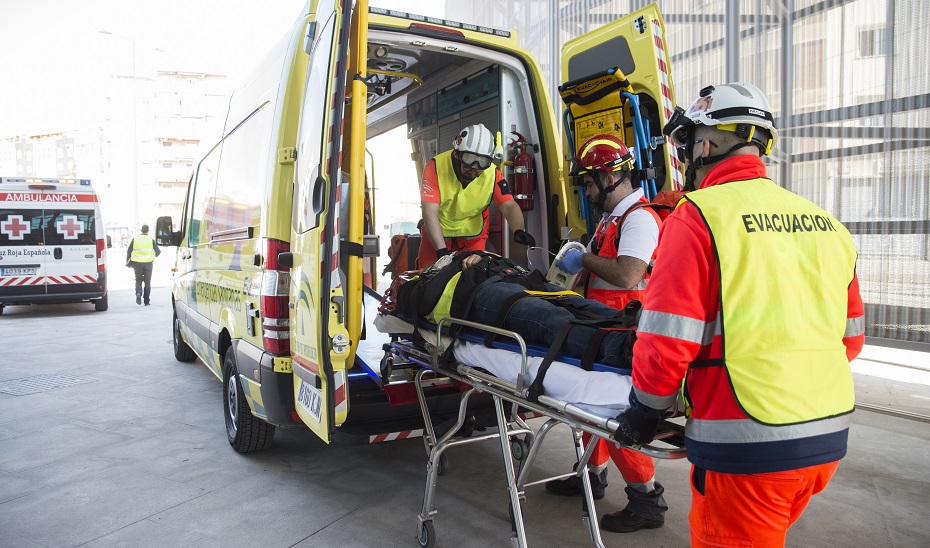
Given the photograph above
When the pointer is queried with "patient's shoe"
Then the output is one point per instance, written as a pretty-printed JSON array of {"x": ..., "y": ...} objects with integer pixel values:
[{"x": 572, "y": 486}]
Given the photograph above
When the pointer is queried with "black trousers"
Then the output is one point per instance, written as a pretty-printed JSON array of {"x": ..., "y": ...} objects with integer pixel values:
[{"x": 143, "y": 277}]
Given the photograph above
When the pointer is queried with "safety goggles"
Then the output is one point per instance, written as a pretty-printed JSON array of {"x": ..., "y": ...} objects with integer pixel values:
[
  {"x": 475, "y": 161},
  {"x": 679, "y": 128}
]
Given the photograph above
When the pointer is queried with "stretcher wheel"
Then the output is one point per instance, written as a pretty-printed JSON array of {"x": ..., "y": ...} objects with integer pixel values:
[
  {"x": 426, "y": 534},
  {"x": 387, "y": 365},
  {"x": 519, "y": 448}
]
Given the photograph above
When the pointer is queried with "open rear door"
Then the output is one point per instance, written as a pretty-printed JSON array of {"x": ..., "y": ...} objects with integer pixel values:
[
  {"x": 635, "y": 44},
  {"x": 325, "y": 316}
]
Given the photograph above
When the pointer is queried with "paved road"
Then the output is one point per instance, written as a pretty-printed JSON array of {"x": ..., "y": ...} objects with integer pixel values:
[{"x": 133, "y": 453}]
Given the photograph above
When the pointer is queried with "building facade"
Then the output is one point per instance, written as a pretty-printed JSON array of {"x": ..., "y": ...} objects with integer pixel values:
[{"x": 849, "y": 85}]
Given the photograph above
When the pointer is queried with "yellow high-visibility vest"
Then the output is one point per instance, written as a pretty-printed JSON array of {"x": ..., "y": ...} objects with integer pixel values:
[
  {"x": 460, "y": 209},
  {"x": 143, "y": 249},
  {"x": 785, "y": 270}
]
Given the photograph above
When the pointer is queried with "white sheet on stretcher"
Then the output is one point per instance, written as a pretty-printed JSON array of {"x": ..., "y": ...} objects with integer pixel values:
[{"x": 599, "y": 392}]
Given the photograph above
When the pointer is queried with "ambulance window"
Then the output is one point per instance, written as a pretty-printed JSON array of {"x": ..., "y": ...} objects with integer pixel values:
[
  {"x": 20, "y": 227},
  {"x": 309, "y": 203},
  {"x": 202, "y": 207},
  {"x": 69, "y": 227},
  {"x": 592, "y": 61},
  {"x": 239, "y": 187}
]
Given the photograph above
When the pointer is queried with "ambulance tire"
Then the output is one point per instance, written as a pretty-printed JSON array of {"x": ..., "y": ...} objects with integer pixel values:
[
  {"x": 102, "y": 304},
  {"x": 244, "y": 431},
  {"x": 182, "y": 352},
  {"x": 1, "y": 310}
]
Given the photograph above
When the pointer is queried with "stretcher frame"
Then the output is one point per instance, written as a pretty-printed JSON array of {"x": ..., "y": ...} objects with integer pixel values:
[{"x": 517, "y": 439}]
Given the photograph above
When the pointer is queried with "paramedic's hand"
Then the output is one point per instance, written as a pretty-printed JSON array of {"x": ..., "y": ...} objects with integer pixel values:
[
  {"x": 635, "y": 429},
  {"x": 571, "y": 261},
  {"x": 523, "y": 237}
]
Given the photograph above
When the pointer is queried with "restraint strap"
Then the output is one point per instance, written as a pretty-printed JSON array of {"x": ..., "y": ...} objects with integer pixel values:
[
  {"x": 536, "y": 389},
  {"x": 590, "y": 351}
]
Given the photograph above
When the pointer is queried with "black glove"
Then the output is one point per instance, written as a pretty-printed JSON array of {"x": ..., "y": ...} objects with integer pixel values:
[
  {"x": 636, "y": 429},
  {"x": 442, "y": 252},
  {"x": 524, "y": 238}
]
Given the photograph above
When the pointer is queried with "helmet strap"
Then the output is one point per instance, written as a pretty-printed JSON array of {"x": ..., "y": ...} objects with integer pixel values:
[{"x": 601, "y": 200}]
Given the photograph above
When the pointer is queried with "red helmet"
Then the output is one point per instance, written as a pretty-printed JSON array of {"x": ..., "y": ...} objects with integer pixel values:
[{"x": 604, "y": 153}]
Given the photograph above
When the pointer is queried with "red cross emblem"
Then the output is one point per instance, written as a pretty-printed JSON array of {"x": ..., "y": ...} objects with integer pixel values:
[
  {"x": 69, "y": 227},
  {"x": 14, "y": 227}
]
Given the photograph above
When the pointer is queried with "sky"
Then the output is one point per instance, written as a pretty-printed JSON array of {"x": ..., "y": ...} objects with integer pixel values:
[{"x": 55, "y": 64}]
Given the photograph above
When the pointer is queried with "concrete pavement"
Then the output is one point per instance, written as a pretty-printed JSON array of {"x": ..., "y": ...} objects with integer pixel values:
[{"x": 132, "y": 452}]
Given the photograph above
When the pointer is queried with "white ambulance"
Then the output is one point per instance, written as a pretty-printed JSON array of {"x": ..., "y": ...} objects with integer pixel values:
[{"x": 52, "y": 243}]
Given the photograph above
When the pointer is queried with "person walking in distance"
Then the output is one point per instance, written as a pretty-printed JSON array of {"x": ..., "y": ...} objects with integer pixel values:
[
  {"x": 140, "y": 256},
  {"x": 754, "y": 300}
]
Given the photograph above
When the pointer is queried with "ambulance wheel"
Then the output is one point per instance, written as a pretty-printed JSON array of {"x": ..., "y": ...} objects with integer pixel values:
[
  {"x": 245, "y": 432},
  {"x": 1, "y": 310},
  {"x": 182, "y": 352},
  {"x": 102, "y": 304},
  {"x": 426, "y": 534}
]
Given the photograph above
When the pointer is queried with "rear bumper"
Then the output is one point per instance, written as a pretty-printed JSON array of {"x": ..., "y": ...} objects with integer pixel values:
[
  {"x": 50, "y": 299},
  {"x": 277, "y": 389},
  {"x": 54, "y": 293}
]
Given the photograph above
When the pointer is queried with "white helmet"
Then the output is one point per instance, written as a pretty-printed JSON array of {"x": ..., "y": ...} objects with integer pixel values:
[
  {"x": 739, "y": 107},
  {"x": 476, "y": 139}
]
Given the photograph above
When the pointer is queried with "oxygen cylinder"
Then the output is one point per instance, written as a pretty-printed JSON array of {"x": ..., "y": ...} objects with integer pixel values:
[{"x": 524, "y": 182}]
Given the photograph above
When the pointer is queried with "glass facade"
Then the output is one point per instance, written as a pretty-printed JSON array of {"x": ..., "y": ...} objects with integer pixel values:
[{"x": 849, "y": 83}]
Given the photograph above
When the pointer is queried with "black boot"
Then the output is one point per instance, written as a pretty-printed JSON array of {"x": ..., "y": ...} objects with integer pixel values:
[
  {"x": 644, "y": 511},
  {"x": 572, "y": 486}
]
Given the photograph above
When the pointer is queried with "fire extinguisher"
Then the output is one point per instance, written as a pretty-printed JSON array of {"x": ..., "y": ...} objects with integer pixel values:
[{"x": 523, "y": 173}]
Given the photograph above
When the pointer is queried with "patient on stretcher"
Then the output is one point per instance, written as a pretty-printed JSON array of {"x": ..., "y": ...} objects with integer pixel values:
[{"x": 499, "y": 293}]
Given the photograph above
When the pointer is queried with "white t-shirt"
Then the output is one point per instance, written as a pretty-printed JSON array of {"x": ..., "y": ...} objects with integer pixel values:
[{"x": 639, "y": 234}]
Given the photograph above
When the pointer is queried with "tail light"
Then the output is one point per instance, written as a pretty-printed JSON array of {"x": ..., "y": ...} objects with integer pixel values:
[
  {"x": 101, "y": 256},
  {"x": 276, "y": 285}
]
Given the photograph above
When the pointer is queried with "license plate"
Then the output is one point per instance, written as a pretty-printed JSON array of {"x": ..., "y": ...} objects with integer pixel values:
[
  {"x": 13, "y": 271},
  {"x": 310, "y": 399}
]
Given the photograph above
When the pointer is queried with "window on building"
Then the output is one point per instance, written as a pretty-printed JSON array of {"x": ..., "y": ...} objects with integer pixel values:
[{"x": 871, "y": 42}]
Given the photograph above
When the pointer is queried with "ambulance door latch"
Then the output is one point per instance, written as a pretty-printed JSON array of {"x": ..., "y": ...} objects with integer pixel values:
[{"x": 340, "y": 343}]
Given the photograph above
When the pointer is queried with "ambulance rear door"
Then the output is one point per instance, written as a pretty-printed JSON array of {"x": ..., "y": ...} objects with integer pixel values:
[
  {"x": 22, "y": 254},
  {"x": 70, "y": 222},
  {"x": 320, "y": 344},
  {"x": 636, "y": 45}
]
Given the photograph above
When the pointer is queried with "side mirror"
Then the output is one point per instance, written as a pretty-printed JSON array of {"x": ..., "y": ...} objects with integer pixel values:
[
  {"x": 164, "y": 231},
  {"x": 109, "y": 241}
]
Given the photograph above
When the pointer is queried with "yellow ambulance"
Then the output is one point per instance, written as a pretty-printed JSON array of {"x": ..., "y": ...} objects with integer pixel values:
[{"x": 275, "y": 286}]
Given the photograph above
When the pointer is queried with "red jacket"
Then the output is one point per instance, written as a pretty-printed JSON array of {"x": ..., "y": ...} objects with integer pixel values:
[{"x": 685, "y": 283}]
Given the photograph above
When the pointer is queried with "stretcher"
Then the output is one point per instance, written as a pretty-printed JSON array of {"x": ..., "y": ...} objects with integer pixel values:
[{"x": 515, "y": 363}]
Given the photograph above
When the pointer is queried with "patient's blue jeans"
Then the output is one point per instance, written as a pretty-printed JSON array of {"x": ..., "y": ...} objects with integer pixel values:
[{"x": 538, "y": 321}]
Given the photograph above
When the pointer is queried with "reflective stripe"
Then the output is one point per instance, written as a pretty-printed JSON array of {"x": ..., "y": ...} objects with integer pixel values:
[
  {"x": 750, "y": 431},
  {"x": 655, "y": 402},
  {"x": 679, "y": 327},
  {"x": 855, "y": 327},
  {"x": 597, "y": 282}
]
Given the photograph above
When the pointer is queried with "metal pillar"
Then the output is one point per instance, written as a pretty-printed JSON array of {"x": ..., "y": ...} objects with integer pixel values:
[
  {"x": 732, "y": 40},
  {"x": 787, "y": 87}
]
